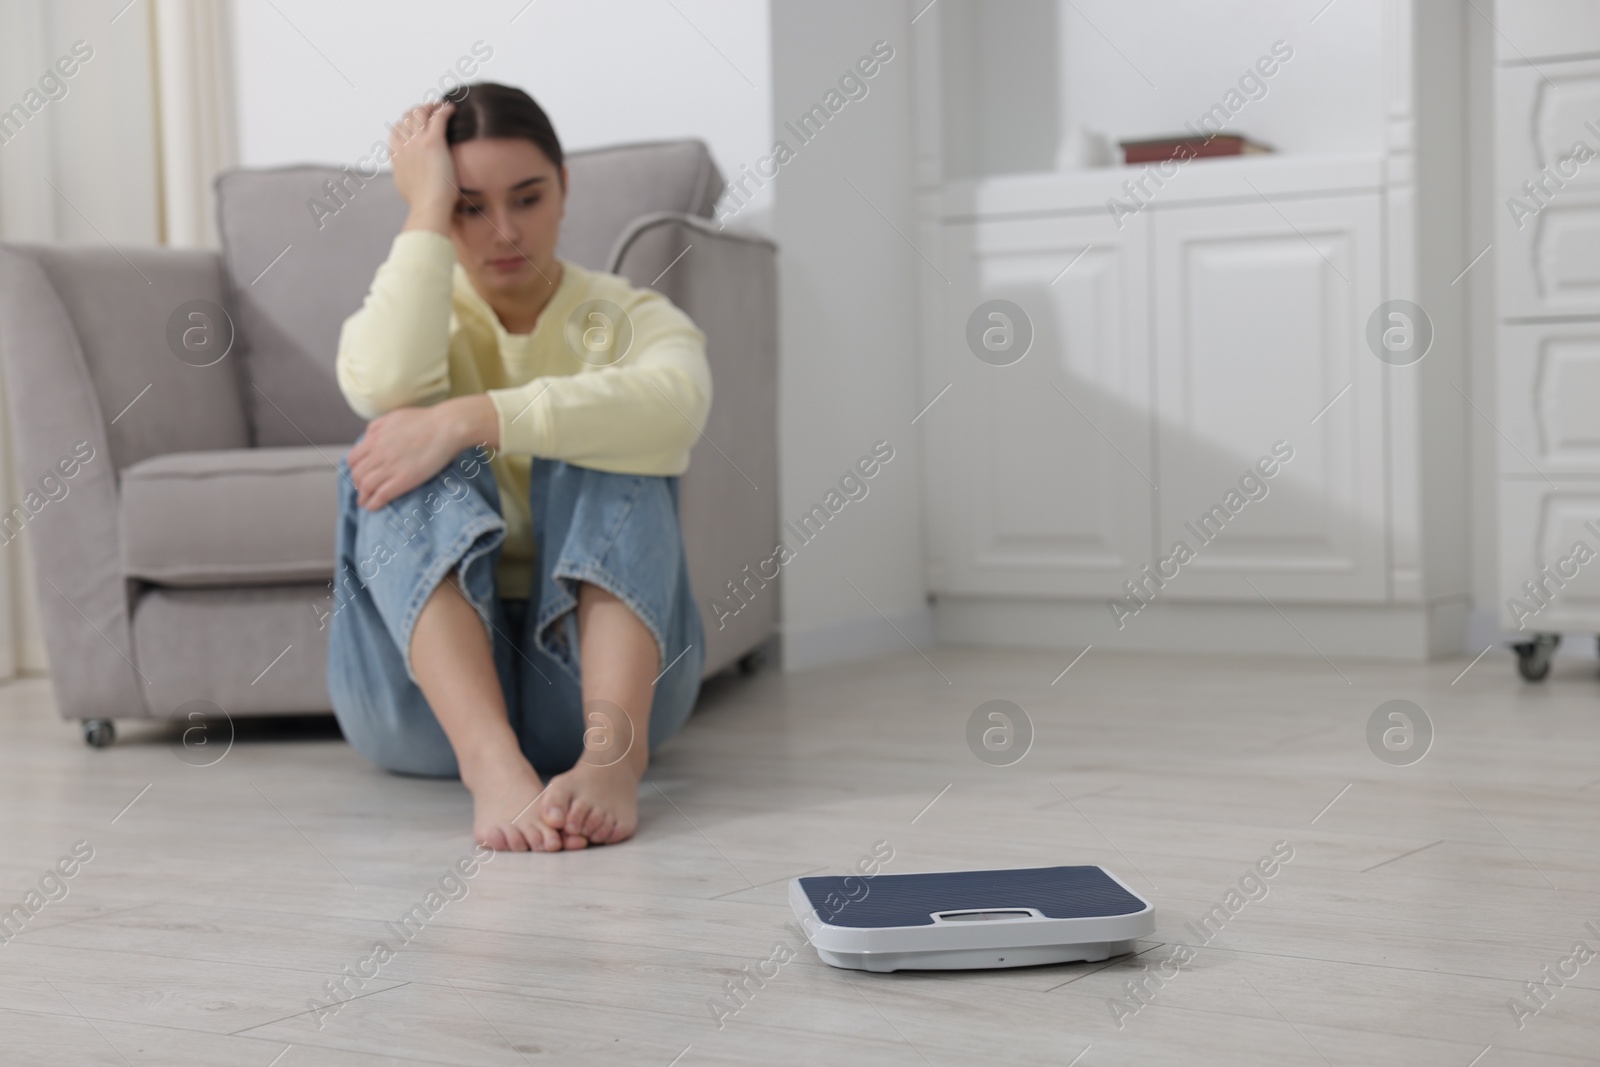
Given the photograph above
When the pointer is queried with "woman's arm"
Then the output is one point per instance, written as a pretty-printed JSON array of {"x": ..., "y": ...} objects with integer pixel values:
[
  {"x": 640, "y": 416},
  {"x": 407, "y": 446},
  {"x": 393, "y": 351}
]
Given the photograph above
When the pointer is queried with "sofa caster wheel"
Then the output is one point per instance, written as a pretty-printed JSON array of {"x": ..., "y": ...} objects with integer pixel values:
[
  {"x": 1533, "y": 665},
  {"x": 1533, "y": 657},
  {"x": 752, "y": 661},
  {"x": 99, "y": 733}
]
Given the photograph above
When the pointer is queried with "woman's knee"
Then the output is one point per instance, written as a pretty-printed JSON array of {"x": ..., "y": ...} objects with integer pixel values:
[
  {"x": 460, "y": 501},
  {"x": 466, "y": 481},
  {"x": 468, "y": 472}
]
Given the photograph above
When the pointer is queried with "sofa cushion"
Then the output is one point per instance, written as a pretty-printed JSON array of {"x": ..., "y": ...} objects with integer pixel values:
[{"x": 237, "y": 516}]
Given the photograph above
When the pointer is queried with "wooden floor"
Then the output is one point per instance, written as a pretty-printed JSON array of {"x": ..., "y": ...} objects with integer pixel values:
[{"x": 1420, "y": 899}]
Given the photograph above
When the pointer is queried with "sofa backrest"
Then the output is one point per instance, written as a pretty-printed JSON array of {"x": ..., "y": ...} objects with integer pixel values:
[{"x": 296, "y": 270}]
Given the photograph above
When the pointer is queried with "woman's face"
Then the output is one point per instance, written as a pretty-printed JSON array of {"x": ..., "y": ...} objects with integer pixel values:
[{"x": 508, "y": 218}]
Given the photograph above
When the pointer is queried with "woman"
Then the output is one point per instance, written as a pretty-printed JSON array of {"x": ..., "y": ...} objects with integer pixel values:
[{"x": 514, "y": 602}]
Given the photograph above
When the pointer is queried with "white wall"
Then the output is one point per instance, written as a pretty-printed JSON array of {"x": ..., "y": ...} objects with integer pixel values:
[
  {"x": 1483, "y": 324},
  {"x": 319, "y": 82},
  {"x": 1132, "y": 70},
  {"x": 1327, "y": 98},
  {"x": 847, "y": 316}
]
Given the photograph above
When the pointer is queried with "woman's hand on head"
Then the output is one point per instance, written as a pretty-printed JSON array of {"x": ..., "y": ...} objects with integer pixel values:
[
  {"x": 424, "y": 172},
  {"x": 405, "y": 447}
]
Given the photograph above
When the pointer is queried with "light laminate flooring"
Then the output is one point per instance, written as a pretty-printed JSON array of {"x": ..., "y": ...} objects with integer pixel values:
[{"x": 1419, "y": 901}]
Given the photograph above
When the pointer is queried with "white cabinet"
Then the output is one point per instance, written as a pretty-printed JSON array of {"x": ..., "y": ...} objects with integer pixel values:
[
  {"x": 1548, "y": 281},
  {"x": 1166, "y": 358},
  {"x": 1174, "y": 345}
]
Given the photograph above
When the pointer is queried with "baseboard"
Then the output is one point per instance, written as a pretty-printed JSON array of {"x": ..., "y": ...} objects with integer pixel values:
[
  {"x": 1403, "y": 632},
  {"x": 804, "y": 647}
]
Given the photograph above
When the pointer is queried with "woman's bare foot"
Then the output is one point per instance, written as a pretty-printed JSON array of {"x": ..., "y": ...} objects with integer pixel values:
[
  {"x": 598, "y": 804},
  {"x": 505, "y": 815}
]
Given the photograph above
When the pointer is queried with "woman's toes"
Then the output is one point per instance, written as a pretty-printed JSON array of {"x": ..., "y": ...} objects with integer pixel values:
[
  {"x": 553, "y": 804},
  {"x": 574, "y": 841},
  {"x": 608, "y": 826},
  {"x": 532, "y": 832},
  {"x": 591, "y": 825},
  {"x": 542, "y": 838},
  {"x": 578, "y": 815}
]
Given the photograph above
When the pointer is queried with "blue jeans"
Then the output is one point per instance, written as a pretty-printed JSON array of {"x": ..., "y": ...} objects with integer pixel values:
[{"x": 617, "y": 531}]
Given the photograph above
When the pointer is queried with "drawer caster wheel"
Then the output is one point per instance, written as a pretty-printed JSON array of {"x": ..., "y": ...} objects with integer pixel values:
[
  {"x": 1533, "y": 657},
  {"x": 99, "y": 733}
]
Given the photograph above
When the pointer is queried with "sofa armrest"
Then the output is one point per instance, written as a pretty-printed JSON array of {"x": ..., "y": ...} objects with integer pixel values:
[
  {"x": 728, "y": 499},
  {"x": 81, "y": 330}
]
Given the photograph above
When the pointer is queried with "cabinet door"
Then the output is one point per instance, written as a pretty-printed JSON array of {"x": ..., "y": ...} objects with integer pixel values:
[
  {"x": 1037, "y": 470},
  {"x": 1261, "y": 312}
]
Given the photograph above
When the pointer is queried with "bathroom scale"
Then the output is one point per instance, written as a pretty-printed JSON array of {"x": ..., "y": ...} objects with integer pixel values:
[{"x": 963, "y": 920}]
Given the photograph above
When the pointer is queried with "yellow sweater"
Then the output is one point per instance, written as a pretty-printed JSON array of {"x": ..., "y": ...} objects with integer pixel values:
[{"x": 565, "y": 391}]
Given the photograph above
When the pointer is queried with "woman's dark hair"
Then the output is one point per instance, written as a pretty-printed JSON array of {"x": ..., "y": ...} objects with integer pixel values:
[{"x": 489, "y": 109}]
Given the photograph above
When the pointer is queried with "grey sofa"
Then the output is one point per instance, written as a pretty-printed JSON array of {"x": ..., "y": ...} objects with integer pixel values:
[{"x": 179, "y": 459}]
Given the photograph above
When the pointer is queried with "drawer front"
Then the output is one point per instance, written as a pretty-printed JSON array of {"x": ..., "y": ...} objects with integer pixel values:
[
  {"x": 1528, "y": 31},
  {"x": 1551, "y": 266},
  {"x": 1540, "y": 116},
  {"x": 1547, "y": 189},
  {"x": 1541, "y": 530},
  {"x": 1549, "y": 409}
]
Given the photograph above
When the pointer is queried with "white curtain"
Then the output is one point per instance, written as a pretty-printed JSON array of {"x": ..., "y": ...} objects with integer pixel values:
[
  {"x": 123, "y": 151},
  {"x": 198, "y": 117},
  {"x": 21, "y": 635}
]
